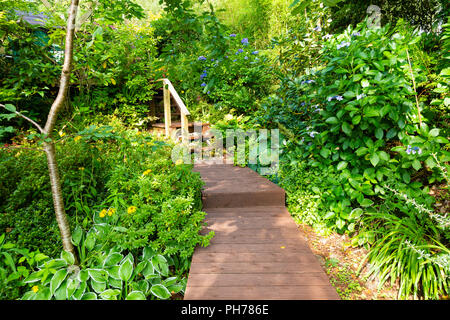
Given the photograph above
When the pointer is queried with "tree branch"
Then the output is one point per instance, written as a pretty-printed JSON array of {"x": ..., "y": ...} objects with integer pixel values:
[{"x": 26, "y": 118}]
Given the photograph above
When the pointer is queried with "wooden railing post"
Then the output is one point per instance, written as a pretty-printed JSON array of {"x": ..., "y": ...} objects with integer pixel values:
[{"x": 167, "y": 114}]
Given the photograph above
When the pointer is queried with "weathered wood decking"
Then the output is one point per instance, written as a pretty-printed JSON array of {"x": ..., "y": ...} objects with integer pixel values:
[{"x": 257, "y": 253}]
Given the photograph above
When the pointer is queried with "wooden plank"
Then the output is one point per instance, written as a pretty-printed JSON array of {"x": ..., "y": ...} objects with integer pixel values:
[
  {"x": 203, "y": 257},
  {"x": 288, "y": 232},
  {"x": 293, "y": 239},
  {"x": 325, "y": 292},
  {"x": 255, "y": 267},
  {"x": 252, "y": 222},
  {"x": 288, "y": 247},
  {"x": 256, "y": 280},
  {"x": 254, "y": 212}
]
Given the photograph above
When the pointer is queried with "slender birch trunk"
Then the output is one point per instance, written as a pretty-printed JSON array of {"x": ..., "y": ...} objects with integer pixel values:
[{"x": 49, "y": 147}]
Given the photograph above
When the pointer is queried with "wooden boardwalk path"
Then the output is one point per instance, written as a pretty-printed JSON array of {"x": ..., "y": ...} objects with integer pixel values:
[{"x": 257, "y": 252}]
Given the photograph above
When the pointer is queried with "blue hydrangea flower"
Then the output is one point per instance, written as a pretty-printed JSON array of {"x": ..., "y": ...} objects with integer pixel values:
[
  {"x": 208, "y": 92},
  {"x": 202, "y": 58},
  {"x": 339, "y": 98},
  {"x": 246, "y": 58},
  {"x": 240, "y": 51},
  {"x": 233, "y": 35},
  {"x": 212, "y": 59},
  {"x": 360, "y": 96},
  {"x": 413, "y": 150},
  {"x": 244, "y": 41},
  {"x": 203, "y": 84},
  {"x": 234, "y": 60},
  {"x": 343, "y": 44},
  {"x": 255, "y": 52}
]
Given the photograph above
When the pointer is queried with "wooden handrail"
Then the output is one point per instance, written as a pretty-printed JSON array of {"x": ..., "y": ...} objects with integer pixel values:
[{"x": 168, "y": 89}]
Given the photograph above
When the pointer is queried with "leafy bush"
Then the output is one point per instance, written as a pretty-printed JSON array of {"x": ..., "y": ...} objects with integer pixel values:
[
  {"x": 355, "y": 117},
  {"x": 125, "y": 172}
]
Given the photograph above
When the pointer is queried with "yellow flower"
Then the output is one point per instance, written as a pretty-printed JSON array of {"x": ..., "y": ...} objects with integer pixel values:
[
  {"x": 111, "y": 211},
  {"x": 146, "y": 172},
  {"x": 131, "y": 209},
  {"x": 61, "y": 134},
  {"x": 81, "y": 168},
  {"x": 35, "y": 289},
  {"x": 102, "y": 213},
  {"x": 77, "y": 138},
  {"x": 179, "y": 161}
]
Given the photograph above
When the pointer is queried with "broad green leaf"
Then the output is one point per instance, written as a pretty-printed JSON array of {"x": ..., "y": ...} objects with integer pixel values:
[
  {"x": 57, "y": 279},
  {"x": 160, "y": 264},
  {"x": 160, "y": 291},
  {"x": 379, "y": 133},
  {"x": 325, "y": 153},
  {"x": 416, "y": 164},
  {"x": 366, "y": 203},
  {"x": 433, "y": 132},
  {"x": 68, "y": 257},
  {"x": 346, "y": 128},
  {"x": 77, "y": 235},
  {"x": 374, "y": 159},
  {"x": 342, "y": 165},
  {"x": 109, "y": 294},
  {"x": 126, "y": 270},
  {"x": 332, "y": 120},
  {"x": 98, "y": 286},
  {"x": 113, "y": 259},
  {"x": 136, "y": 295},
  {"x": 89, "y": 296},
  {"x": 98, "y": 275}
]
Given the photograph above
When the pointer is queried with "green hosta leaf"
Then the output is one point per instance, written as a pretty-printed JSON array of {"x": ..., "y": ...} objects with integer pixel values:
[
  {"x": 160, "y": 291},
  {"x": 114, "y": 272},
  {"x": 57, "y": 279},
  {"x": 78, "y": 294},
  {"x": 68, "y": 257},
  {"x": 98, "y": 275},
  {"x": 135, "y": 295},
  {"x": 61, "y": 292},
  {"x": 34, "y": 277},
  {"x": 126, "y": 270},
  {"x": 98, "y": 286},
  {"x": 175, "y": 288},
  {"x": 148, "y": 253},
  {"x": 72, "y": 286},
  {"x": 83, "y": 275},
  {"x": 115, "y": 283},
  {"x": 342, "y": 165},
  {"x": 113, "y": 259},
  {"x": 391, "y": 133},
  {"x": 43, "y": 294},
  {"x": 89, "y": 296},
  {"x": 160, "y": 264},
  {"x": 109, "y": 294},
  {"x": 77, "y": 235}
]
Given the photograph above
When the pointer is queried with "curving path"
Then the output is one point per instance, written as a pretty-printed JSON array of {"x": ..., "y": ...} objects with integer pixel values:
[{"x": 257, "y": 253}]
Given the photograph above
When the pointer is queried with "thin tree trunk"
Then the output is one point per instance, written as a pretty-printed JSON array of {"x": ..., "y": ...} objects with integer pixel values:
[{"x": 49, "y": 147}]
